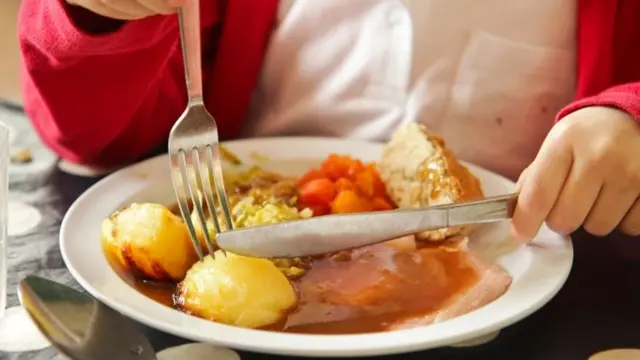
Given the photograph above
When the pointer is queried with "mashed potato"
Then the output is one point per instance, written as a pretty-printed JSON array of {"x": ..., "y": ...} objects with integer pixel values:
[{"x": 236, "y": 290}]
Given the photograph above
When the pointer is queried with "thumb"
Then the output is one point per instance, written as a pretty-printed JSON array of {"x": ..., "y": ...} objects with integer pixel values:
[
  {"x": 519, "y": 184},
  {"x": 521, "y": 179}
]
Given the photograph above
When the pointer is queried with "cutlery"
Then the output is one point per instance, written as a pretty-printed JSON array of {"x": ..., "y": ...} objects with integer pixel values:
[
  {"x": 79, "y": 326},
  {"x": 332, "y": 233},
  {"x": 194, "y": 140}
]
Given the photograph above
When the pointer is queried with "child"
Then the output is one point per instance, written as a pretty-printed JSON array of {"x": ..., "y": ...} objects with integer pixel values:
[{"x": 103, "y": 84}]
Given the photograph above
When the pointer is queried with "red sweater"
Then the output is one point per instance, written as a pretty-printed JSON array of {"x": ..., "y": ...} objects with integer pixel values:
[{"x": 110, "y": 99}]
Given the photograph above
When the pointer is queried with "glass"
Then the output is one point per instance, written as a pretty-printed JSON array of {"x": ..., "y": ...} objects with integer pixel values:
[
  {"x": 17, "y": 332},
  {"x": 4, "y": 193}
]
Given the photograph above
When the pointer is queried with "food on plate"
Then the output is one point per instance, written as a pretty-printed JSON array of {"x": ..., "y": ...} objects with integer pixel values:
[
  {"x": 154, "y": 242},
  {"x": 249, "y": 212},
  {"x": 150, "y": 240},
  {"x": 236, "y": 290},
  {"x": 250, "y": 209},
  {"x": 396, "y": 284},
  {"x": 343, "y": 185},
  {"x": 379, "y": 288},
  {"x": 492, "y": 281},
  {"x": 419, "y": 170},
  {"x": 262, "y": 185}
]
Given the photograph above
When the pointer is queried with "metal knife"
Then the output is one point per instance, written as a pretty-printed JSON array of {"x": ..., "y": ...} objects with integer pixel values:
[
  {"x": 79, "y": 326},
  {"x": 327, "y": 234}
]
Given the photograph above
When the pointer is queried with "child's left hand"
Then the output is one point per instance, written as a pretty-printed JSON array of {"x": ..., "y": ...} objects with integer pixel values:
[{"x": 586, "y": 173}]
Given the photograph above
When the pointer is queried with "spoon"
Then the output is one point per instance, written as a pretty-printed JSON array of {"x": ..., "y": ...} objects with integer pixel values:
[{"x": 79, "y": 326}]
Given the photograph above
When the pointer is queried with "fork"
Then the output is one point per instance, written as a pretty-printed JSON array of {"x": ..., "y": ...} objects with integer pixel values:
[{"x": 194, "y": 148}]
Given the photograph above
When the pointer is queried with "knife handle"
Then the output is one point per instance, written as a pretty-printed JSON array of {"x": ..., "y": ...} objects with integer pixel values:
[{"x": 490, "y": 209}]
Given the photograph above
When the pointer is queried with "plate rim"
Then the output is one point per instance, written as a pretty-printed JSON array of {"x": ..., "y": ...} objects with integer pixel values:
[{"x": 399, "y": 341}]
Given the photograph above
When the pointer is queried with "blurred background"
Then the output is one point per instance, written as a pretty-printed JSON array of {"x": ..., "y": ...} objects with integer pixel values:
[{"x": 9, "y": 57}]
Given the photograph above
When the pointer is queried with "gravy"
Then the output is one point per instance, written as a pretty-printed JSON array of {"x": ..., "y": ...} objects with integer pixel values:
[{"x": 367, "y": 290}]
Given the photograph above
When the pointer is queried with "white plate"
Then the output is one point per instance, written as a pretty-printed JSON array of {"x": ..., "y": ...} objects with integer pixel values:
[{"x": 538, "y": 271}]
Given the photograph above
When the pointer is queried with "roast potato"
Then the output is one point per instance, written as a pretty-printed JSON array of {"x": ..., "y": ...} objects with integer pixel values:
[
  {"x": 195, "y": 220},
  {"x": 151, "y": 241},
  {"x": 236, "y": 290}
]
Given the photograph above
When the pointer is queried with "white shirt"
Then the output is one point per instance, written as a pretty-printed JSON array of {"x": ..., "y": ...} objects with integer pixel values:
[{"x": 487, "y": 75}]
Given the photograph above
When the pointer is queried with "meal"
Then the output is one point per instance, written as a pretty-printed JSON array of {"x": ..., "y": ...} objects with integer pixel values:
[{"x": 407, "y": 282}]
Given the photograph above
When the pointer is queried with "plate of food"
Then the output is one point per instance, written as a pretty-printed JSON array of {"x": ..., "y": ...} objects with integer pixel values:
[{"x": 126, "y": 244}]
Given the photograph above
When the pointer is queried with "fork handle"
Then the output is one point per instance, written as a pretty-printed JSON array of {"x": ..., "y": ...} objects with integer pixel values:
[{"x": 189, "y": 22}]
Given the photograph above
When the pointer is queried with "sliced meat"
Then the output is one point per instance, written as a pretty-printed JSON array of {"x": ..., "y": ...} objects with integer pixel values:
[
  {"x": 419, "y": 170},
  {"x": 492, "y": 284},
  {"x": 381, "y": 287}
]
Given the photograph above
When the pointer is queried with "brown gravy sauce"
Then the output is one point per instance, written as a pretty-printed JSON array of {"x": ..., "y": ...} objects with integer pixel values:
[{"x": 363, "y": 291}]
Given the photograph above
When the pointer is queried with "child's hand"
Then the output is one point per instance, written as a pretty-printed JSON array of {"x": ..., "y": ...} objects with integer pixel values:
[
  {"x": 128, "y": 9},
  {"x": 586, "y": 173}
]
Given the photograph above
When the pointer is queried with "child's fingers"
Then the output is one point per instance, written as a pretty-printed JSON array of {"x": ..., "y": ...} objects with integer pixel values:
[
  {"x": 132, "y": 8},
  {"x": 544, "y": 180},
  {"x": 578, "y": 195},
  {"x": 107, "y": 9},
  {"x": 521, "y": 179},
  {"x": 631, "y": 223},
  {"x": 158, "y": 6},
  {"x": 609, "y": 209}
]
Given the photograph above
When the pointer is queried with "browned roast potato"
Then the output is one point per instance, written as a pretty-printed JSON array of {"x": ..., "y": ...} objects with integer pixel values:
[
  {"x": 236, "y": 290},
  {"x": 151, "y": 241}
]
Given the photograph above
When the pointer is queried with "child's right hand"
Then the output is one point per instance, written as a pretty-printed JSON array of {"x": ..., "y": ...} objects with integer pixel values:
[{"x": 128, "y": 9}]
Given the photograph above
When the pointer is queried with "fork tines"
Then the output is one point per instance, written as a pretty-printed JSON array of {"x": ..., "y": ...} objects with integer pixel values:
[{"x": 205, "y": 175}]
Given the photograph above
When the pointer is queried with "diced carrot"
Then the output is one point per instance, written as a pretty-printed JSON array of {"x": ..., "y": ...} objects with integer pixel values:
[
  {"x": 341, "y": 185},
  {"x": 344, "y": 184},
  {"x": 336, "y": 166},
  {"x": 364, "y": 182},
  {"x": 379, "y": 189},
  {"x": 348, "y": 201},
  {"x": 381, "y": 204},
  {"x": 318, "y": 209},
  {"x": 313, "y": 174},
  {"x": 355, "y": 167},
  {"x": 318, "y": 191}
]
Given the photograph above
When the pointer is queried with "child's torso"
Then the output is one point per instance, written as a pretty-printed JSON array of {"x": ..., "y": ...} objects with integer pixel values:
[{"x": 487, "y": 75}]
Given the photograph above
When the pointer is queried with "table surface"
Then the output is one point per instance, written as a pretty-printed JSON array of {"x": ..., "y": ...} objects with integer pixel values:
[{"x": 598, "y": 308}]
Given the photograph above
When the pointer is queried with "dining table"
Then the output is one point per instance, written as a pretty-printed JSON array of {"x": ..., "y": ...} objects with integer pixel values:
[{"x": 597, "y": 310}]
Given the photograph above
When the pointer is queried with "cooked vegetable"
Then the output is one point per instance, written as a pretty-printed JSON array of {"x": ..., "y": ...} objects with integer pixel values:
[
  {"x": 248, "y": 192},
  {"x": 381, "y": 204},
  {"x": 349, "y": 201},
  {"x": 248, "y": 212},
  {"x": 229, "y": 156},
  {"x": 236, "y": 290},
  {"x": 343, "y": 185},
  {"x": 310, "y": 175},
  {"x": 318, "y": 191},
  {"x": 150, "y": 240}
]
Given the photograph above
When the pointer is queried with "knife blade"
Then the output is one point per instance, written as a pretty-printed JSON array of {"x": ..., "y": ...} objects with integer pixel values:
[{"x": 332, "y": 233}]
